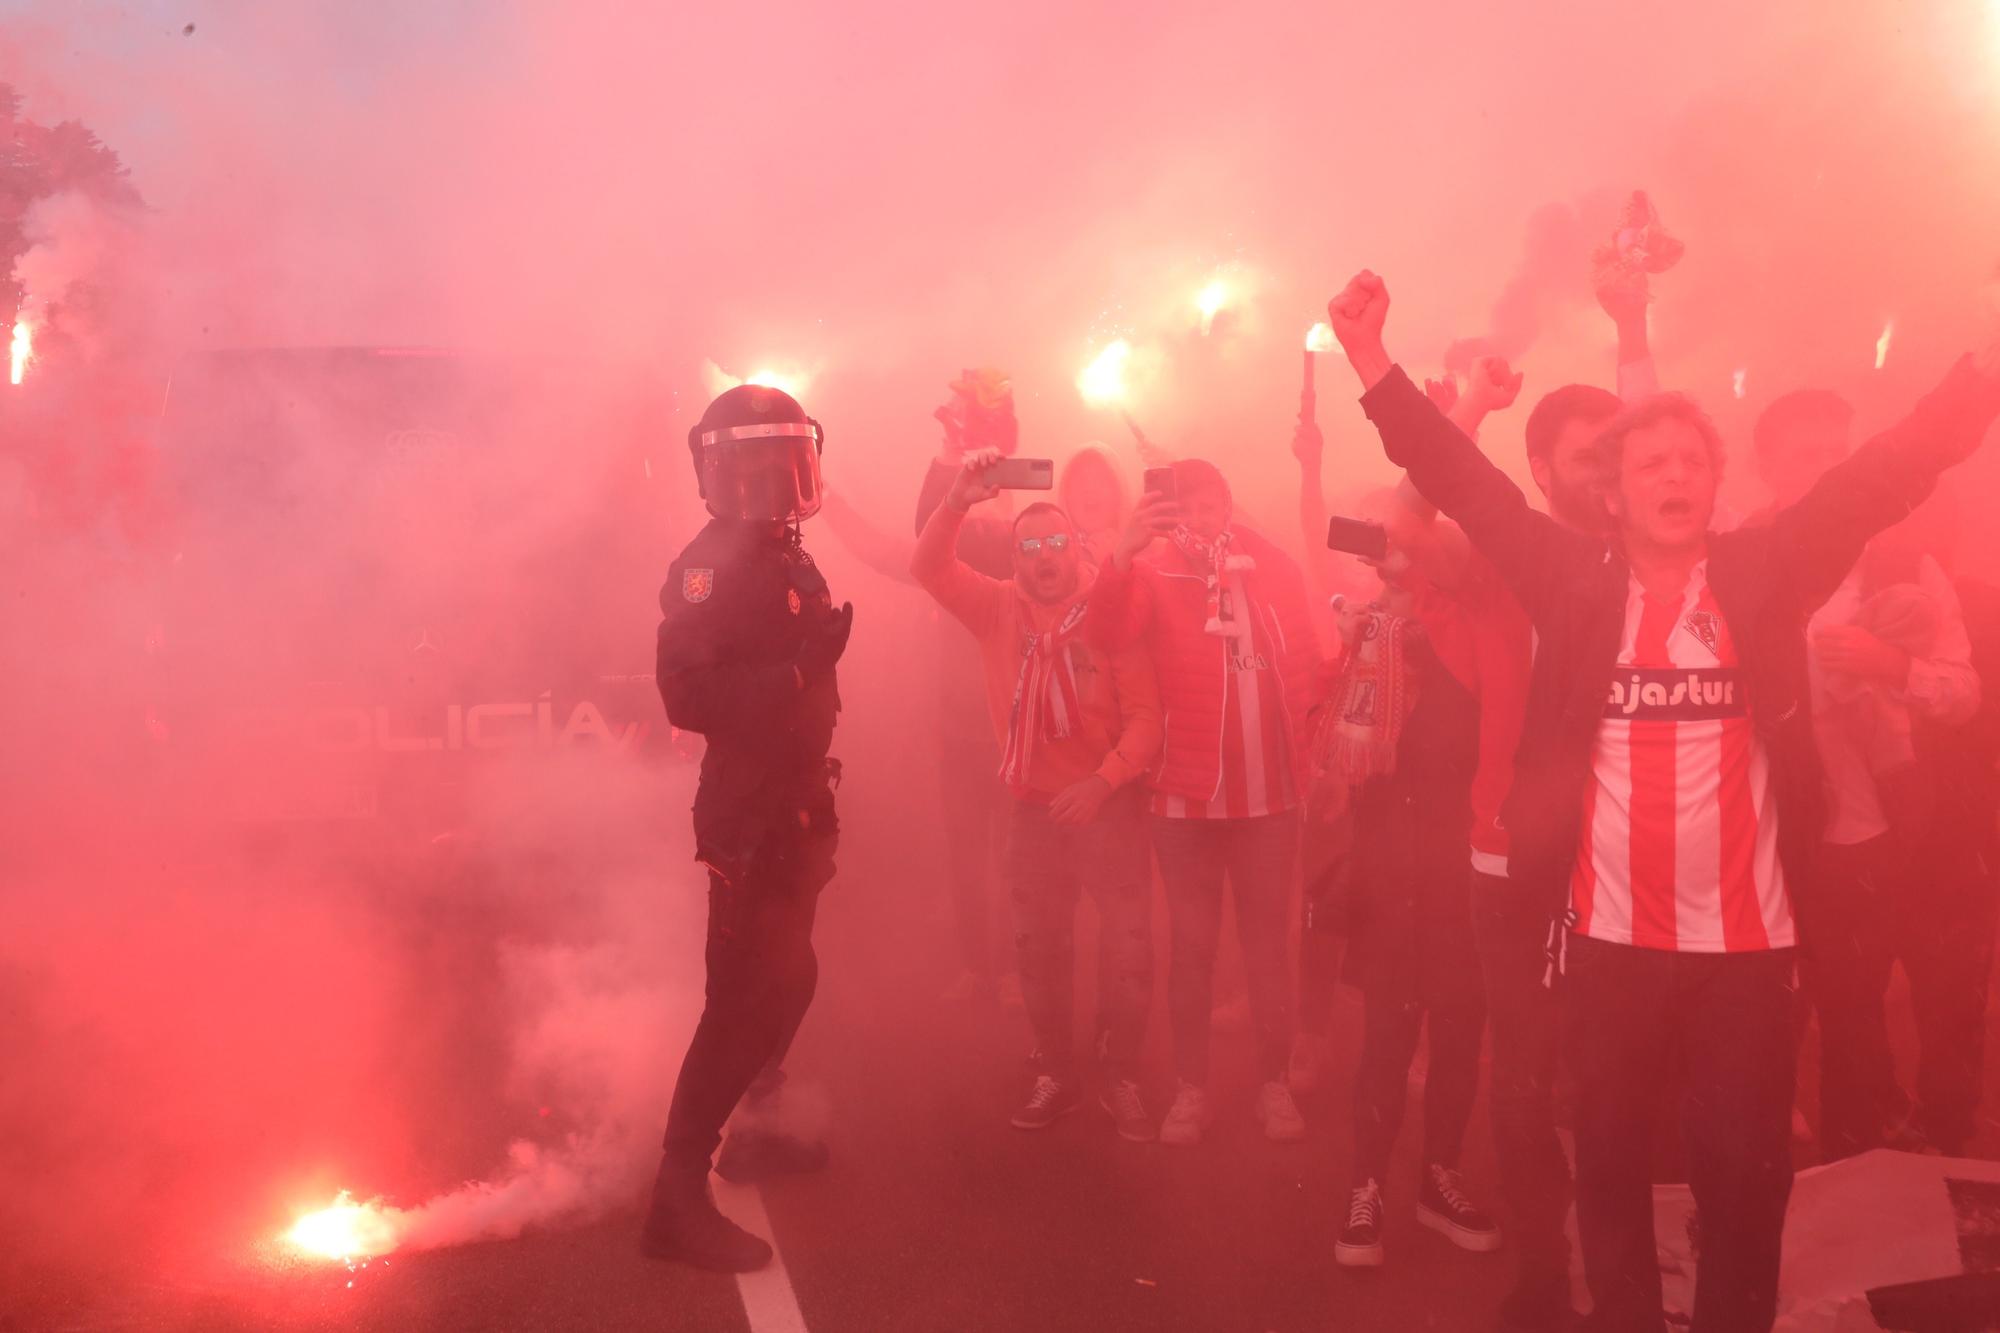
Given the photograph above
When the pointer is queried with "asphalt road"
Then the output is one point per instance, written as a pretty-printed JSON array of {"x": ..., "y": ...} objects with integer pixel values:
[{"x": 934, "y": 1215}]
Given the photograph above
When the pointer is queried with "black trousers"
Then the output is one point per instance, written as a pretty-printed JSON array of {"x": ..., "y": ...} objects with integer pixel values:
[
  {"x": 762, "y": 972},
  {"x": 1932, "y": 906},
  {"x": 1858, "y": 891},
  {"x": 1720, "y": 1026},
  {"x": 1324, "y": 849},
  {"x": 1947, "y": 942},
  {"x": 1510, "y": 927},
  {"x": 1390, "y": 1028}
]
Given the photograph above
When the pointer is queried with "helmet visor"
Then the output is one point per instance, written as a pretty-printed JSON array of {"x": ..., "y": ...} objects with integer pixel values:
[{"x": 770, "y": 475}]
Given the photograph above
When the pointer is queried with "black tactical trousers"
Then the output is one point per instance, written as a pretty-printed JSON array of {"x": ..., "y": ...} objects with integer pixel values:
[{"x": 761, "y": 975}]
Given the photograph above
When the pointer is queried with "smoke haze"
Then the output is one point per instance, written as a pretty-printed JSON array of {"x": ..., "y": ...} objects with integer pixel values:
[{"x": 226, "y": 567}]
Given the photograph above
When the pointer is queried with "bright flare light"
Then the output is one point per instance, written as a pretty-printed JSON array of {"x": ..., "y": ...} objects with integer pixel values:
[
  {"x": 1102, "y": 382},
  {"x": 793, "y": 382},
  {"x": 1211, "y": 301},
  {"x": 1882, "y": 344},
  {"x": 22, "y": 351},
  {"x": 795, "y": 385},
  {"x": 1319, "y": 338},
  {"x": 345, "y": 1230},
  {"x": 1736, "y": 382}
]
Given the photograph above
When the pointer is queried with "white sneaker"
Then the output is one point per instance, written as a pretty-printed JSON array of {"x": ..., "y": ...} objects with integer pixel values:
[
  {"x": 1278, "y": 1114},
  {"x": 1186, "y": 1118},
  {"x": 1308, "y": 1059}
]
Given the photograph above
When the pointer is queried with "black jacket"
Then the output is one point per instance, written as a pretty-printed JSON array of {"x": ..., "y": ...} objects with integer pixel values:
[
  {"x": 1768, "y": 580},
  {"x": 738, "y": 605}
]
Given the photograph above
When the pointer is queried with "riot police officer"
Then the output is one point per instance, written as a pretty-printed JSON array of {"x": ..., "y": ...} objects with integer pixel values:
[{"x": 746, "y": 658}]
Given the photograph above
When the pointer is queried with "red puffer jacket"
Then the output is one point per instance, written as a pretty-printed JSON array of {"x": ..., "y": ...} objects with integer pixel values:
[{"x": 1164, "y": 598}]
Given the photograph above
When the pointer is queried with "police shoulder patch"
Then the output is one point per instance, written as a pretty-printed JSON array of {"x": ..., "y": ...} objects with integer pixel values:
[
  {"x": 697, "y": 584},
  {"x": 792, "y": 600}
]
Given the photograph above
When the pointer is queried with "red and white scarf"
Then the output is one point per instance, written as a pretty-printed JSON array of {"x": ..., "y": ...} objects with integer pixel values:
[
  {"x": 1047, "y": 704},
  {"x": 1214, "y": 560},
  {"x": 1357, "y": 729}
]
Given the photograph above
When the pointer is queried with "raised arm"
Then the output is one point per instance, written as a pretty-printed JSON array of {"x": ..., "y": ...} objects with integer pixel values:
[
  {"x": 976, "y": 599},
  {"x": 1817, "y": 540},
  {"x": 1447, "y": 469},
  {"x": 886, "y": 555},
  {"x": 1626, "y": 301},
  {"x": 1309, "y": 447}
]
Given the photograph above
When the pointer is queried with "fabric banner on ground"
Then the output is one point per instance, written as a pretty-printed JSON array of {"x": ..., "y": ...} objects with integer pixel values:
[{"x": 1886, "y": 1242}]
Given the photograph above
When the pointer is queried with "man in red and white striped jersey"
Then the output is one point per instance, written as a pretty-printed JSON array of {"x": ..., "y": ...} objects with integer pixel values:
[
  {"x": 1674, "y": 855},
  {"x": 1223, "y": 612},
  {"x": 1668, "y": 765}
]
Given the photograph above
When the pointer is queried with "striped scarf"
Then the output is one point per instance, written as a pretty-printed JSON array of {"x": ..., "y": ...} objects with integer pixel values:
[
  {"x": 1357, "y": 730},
  {"x": 1214, "y": 559},
  {"x": 1047, "y": 705}
]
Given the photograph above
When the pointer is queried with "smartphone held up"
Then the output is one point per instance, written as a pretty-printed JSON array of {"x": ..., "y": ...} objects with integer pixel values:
[
  {"x": 1022, "y": 474},
  {"x": 1357, "y": 537}
]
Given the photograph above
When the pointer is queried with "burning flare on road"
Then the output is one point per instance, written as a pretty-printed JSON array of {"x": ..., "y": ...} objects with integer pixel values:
[
  {"x": 1882, "y": 344},
  {"x": 346, "y": 1230},
  {"x": 22, "y": 350}
]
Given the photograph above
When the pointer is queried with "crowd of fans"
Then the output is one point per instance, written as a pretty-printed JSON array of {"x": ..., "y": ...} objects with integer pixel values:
[{"x": 1637, "y": 789}]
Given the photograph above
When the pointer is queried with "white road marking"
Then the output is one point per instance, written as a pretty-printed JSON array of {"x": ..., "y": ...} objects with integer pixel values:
[{"x": 768, "y": 1301}]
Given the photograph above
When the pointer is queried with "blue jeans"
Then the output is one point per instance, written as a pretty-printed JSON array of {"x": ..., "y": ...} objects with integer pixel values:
[
  {"x": 1256, "y": 856},
  {"x": 1049, "y": 866}
]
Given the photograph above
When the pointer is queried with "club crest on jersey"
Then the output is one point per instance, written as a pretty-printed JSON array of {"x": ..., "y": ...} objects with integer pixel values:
[
  {"x": 1706, "y": 629},
  {"x": 697, "y": 584},
  {"x": 792, "y": 600}
]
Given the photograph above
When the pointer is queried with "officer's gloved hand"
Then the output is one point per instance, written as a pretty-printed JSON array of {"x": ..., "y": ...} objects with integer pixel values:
[{"x": 825, "y": 642}]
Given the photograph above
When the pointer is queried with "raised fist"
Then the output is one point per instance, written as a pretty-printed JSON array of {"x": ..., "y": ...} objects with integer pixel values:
[
  {"x": 1492, "y": 384},
  {"x": 1307, "y": 443},
  {"x": 1443, "y": 392},
  {"x": 1358, "y": 313}
]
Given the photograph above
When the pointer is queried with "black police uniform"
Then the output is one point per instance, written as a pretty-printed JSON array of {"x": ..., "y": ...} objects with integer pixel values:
[{"x": 746, "y": 658}]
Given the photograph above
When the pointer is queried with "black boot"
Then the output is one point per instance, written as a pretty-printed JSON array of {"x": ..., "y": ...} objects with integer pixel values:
[
  {"x": 749, "y": 1156},
  {"x": 684, "y": 1224}
]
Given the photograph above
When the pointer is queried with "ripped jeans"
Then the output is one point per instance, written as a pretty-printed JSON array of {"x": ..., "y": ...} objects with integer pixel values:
[{"x": 1049, "y": 866}]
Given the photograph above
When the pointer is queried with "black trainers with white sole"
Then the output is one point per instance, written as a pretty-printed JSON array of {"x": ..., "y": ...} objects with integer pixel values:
[
  {"x": 1121, "y": 1101},
  {"x": 1445, "y": 1209},
  {"x": 1360, "y": 1243},
  {"x": 1049, "y": 1101}
]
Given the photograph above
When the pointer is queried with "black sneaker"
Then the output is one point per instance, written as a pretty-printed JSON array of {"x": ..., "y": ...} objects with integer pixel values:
[
  {"x": 685, "y": 1224},
  {"x": 748, "y": 1157},
  {"x": 1444, "y": 1208},
  {"x": 1360, "y": 1243},
  {"x": 1121, "y": 1101},
  {"x": 1051, "y": 1100}
]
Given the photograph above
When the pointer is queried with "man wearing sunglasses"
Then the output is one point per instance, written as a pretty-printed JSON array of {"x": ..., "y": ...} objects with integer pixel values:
[{"x": 1076, "y": 725}]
